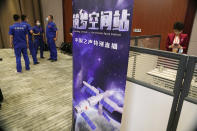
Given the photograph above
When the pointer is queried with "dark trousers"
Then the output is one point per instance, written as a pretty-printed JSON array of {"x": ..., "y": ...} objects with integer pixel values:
[
  {"x": 18, "y": 52},
  {"x": 39, "y": 43},
  {"x": 52, "y": 48},
  {"x": 32, "y": 51}
]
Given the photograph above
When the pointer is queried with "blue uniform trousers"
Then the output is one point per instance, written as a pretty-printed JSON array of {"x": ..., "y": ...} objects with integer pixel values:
[
  {"x": 52, "y": 48},
  {"x": 33, "y": 52},
  {"x": 39, "y": 43},
  {"x": 18, "y": 52}
]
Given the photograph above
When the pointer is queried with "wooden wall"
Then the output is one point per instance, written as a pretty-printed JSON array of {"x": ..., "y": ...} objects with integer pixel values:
[
  {"x": 67, "y": 19},
  {"x": 190, "y": 16},
  {"x": 152, "y": 16},
  {"x": 158, "y": 16}
]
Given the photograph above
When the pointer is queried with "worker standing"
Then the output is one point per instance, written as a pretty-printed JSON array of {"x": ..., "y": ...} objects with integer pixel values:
[
  {"x": 38, "y": 38},
  {"x": 31, "y": 46},
  {"x": 19, "y": 41},
  {"x": 51, "y": 33}
]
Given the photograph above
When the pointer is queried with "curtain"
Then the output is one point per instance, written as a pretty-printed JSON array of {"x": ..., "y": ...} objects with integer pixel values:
[
  {"x": 7, "y": 9},
  {"x": 51, "y": 7},
  {"x": 31, "y": 8},
  {"x": 1, "y": 40}
]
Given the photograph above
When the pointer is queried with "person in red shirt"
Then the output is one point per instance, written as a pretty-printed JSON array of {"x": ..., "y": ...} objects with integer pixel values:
[{"x": 177, "y": 42}]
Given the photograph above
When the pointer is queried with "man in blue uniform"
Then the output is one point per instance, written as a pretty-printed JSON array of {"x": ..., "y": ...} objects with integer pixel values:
[
  {"x": 31, "y": 46},
  {"x": 38, "y": 38},
  {"x": 51, "y": 33},
  {"x": 19, "y": 40}
]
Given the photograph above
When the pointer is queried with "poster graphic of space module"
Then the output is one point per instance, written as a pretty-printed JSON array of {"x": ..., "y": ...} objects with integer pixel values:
[{"x": 101, "y": 42}]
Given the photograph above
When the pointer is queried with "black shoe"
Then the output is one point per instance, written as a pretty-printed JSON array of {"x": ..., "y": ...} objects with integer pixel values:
[
  {"x": 53, "y": 60},
  {"x": 36, "y": 63},
  {"x": 42, "y": 57},
  {"x": 49, "y": 59}
]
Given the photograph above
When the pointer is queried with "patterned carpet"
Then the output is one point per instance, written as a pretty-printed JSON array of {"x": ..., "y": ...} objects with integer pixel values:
[{"x": 39, "y": 99}]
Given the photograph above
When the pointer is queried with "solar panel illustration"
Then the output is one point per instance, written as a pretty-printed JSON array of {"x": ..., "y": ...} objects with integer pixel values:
[
  {"x": 90, "y": 123},
  {"x": 98, "y": 98}
]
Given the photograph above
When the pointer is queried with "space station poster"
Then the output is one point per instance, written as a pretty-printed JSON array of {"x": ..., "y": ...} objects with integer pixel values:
[{"x": 101, "y": 42}]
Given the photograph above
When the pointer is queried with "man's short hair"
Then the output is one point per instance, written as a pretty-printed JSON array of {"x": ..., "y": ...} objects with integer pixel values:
[
  {"x": 36, "y": 20},
  {"x": 23, "y": 17},
  {"x": 16, "y": 17},
  {"x": 51, "y": 16},
  {"x": 178, "y": 26}
]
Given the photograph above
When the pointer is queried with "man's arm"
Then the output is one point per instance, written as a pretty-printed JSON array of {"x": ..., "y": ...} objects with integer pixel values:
[
  {"x": 36, "y": 34},
  {"x": 11, "y": 41},
  {"x": 31, "y": 31},
  {"x": 11, "y": 33},
  {"x": 27, "y": 39},
  {"x": 56, "y": 33},
  {"x": 56, "y": 36},
  {"x": 43, "y": 37}
]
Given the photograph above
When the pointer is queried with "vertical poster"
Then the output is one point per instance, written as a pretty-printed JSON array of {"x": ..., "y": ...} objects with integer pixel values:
[{"x": 101, "y": 41}]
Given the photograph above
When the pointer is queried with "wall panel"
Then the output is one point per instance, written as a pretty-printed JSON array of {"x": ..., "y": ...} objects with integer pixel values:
[
  {"x": 67, "y": 15},
  {"x": 193, "y": 39},
  {"x": 145, "y": 109}
]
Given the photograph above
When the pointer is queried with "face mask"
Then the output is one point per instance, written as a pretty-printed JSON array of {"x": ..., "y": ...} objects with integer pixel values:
[
  {"x": 47, "y": 19},
  {"x": 38, "y": 24}
]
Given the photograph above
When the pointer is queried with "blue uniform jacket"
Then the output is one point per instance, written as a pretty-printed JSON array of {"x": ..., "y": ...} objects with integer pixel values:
[
  {"x": 28, "y": 26},
  {"x": 51, "y": 30},
  {"x": 19, "y": 32},
  {"x": 36, "y": 30}
]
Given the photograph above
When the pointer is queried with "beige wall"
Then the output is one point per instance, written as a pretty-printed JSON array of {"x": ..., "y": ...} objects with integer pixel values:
[
  {"x": 193, "y": 40},
  {"x": 54, "y": 7}
]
